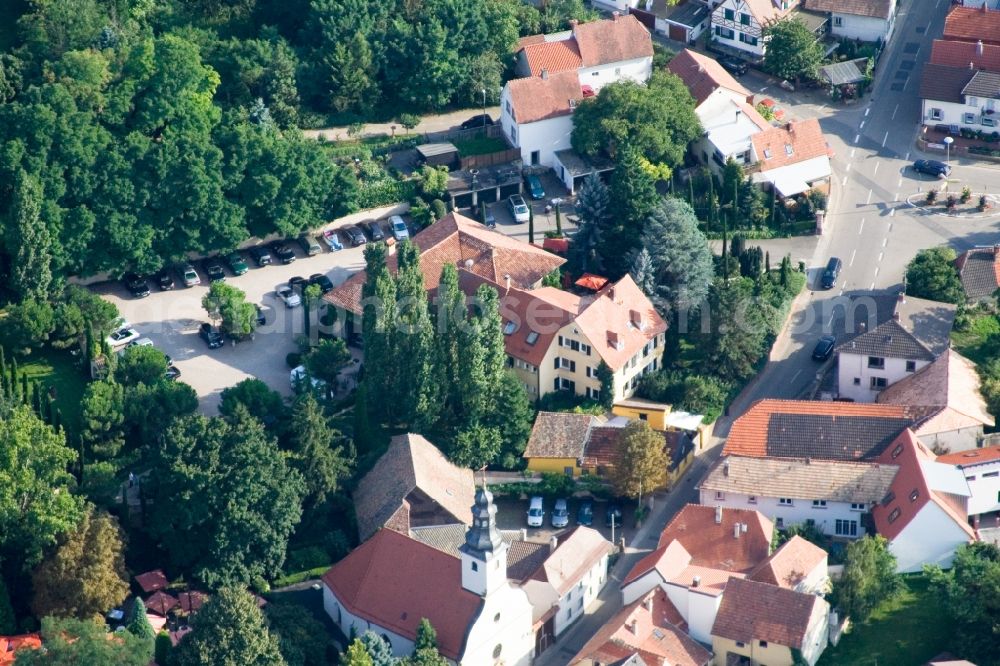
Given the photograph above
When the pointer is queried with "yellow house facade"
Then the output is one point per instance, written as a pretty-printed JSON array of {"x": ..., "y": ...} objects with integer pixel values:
[{"x": 653, "y": 413}]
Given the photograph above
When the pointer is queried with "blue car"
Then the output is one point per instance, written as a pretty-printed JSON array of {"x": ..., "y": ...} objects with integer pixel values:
[
  {"x": 332, "y": 240},
  {"x": 535, "y": 187}
]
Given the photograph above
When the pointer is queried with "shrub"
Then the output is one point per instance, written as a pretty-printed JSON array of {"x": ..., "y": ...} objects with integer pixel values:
[
  {"x": 931, "y": 197},
  {"x": 309, "y": 557},
  {"x": 966, "y": 194},
  {"x": 439, "y": 208},
  {"x": 951, "y": 202}
]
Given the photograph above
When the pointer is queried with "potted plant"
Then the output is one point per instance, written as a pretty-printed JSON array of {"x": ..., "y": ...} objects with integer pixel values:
[
  {"x": 951, "y": 202},
  {"x": 966, "y": 194},
  {"x": 931, "y": 197},
  {"x": 984, "y": 203}
]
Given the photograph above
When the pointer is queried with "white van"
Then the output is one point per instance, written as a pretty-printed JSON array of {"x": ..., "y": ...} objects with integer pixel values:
[{"x": 536, "y": 514}]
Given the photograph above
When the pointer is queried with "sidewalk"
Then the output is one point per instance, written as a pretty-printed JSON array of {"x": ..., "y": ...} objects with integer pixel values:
[{"x": 428, "y": 124}]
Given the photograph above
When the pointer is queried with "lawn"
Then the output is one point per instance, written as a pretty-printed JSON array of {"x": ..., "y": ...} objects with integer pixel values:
[
  {"x": 58, "y": 369},
  {"x": 907, "y": 630},
  {"x": 980, "y": 340},
  {"x": 480, "y": 145}
]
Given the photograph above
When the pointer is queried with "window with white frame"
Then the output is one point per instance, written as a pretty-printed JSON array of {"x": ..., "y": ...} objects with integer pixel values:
[
  {"x": 819, "y": 504},
  {"x": 972, "y": 100},
  {"x": 719, "y": 495},
  {"x": 838, "y": 21},
  {"x": 785, "y": 501},
  {"x": 989, "y": 121},
  {"x": 969, "y": 118},
  {"x": 857, "y": 506},
  {"x": 846, "y": 527},
  {"x": 878, "y": 383},
  {"x": 935, "y": 114}
]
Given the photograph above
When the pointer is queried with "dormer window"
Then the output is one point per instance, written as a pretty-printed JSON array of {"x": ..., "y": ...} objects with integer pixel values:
[
  {"x": 509, "y": 328},
  {"x": 767, "y": 153},
  {"x": 532, "y": 338},
  {"x": 615, "y": 340},
  {"x": 572, "y": 103},
  {"x": 788, "y": 149}
]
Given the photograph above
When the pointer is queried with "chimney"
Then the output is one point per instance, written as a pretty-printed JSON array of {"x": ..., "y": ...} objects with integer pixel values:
[
  {"x": 611, "y": 293},
  {"x": 553, "y": 544},
  {"x": 743, "y": 528},
  {"x": 696, "y": 581},
  {"x": 615, "y": 16},
  {"x": 718, "y": 515},
  {"x": 736, "y": 530},
  {"x": 545, "y": 72},
  {"x": 725, "y": 469},
  {"x": 633, "y": 626},
  {"x": 506, "y": 279},
  {"x": 809, "y": 460},
  {"x": 895, "y": 316},
  {"x": 648, "y": 603},
  {"x": 971, "y": 65},
  {"x": 790, "y": 128},
  {"x": 901, "y": 297},
  {"x": 979, "y": 47}
]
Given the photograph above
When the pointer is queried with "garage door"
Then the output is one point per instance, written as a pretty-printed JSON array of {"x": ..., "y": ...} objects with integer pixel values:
[
  {"x": 646, "y": 18},
  {"x": 677, "y": 33}
]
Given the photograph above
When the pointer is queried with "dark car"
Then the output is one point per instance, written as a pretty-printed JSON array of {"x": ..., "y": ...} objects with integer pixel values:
[
  {"x": 211, "y": 336},
  {"x": 355, "y": 235},
  {"x": 236, "y": 263},
  {"x": 173, "y": 372},
  {"x": 214, "y": 270},
  {"x": 734, "y": 66},
  {"x": 260, "y": 255},
  {"x": 585, "y": 514},
  {"x": 479, "y": 120},
  {"x": 613, "y": 514},
  {"x": 298, "y": 283},
  {"x": 932, "y": 168},
  {"x": 374, "y": 230},
  {"x": 323, "y": 281},
  {"x": 831, "y": 273},
  {"x": 136, "y": 285},
  {"x": 824, "y": 348},
  {"x": 165, "y": 280},
  {"x": 285, "y": 254}
]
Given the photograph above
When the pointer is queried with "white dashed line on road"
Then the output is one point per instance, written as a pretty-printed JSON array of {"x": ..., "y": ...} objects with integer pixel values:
[
  {"x": 892, "y": 213},
  {"x": 851, "y": 262},
  {"x": 867, "y": 111},
  {"x": 890, "y": 226},
  {"x": 848, "y": 167},
  {"x": 885, "y": 138},
  {"x": 873, "y": 286},
  {"x": 845, "y": 181},
  {"x": 880, "y": 255},
  {"x": 900, "y": 183},
  {"x": 894, "y": 112},
  {"x": 875, "y": 171},
  {"x": 869, "y": 197},
  {"x": 862, "y": 125},
  {"x": 862, "y": 226},
  {"x": 885, "y": 241},
  {"x": 907, "y": 156},
  {"x": 857, "y": 137},
  {"x": 895, "y": 197},
  {"x": 853, "y": 150}
]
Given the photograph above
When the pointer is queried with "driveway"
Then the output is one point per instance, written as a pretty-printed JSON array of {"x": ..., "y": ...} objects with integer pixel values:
[
  {"x": 512, "y": 512},
  {"x": 428, "y": 124},
  {"x": 171, "y": 320}
]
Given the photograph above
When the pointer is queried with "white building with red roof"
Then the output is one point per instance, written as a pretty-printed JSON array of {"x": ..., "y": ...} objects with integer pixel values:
[
  {"x": 793, "y": 158},
  {"x": 981, "y": 468}
]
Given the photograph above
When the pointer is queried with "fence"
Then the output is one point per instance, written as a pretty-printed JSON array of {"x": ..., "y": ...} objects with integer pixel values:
[
  {"x": 489, "y": 159},
  {"x": 492, "y": 131}
]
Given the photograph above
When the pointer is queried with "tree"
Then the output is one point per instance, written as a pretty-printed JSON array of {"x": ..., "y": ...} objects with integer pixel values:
[
  {"x": 793, "y": 51},
  {"x": 606, "y": 376},
  {"x": 102, "y": 429},
  {"x": 378, "y": 324},
  {"x": 320, "y": 453},
  {"x": 657, "y": 120},
  {"x": 27, "y": 325},
  {"x": 633, "y": 198},
  {"x": 229, "y": 304},
  {"x": 739, "y": 333},
  {"x": 932, "y": 274},
  {"x": 302, "y": 639},
  {"x": 433, "y": 181},
  {"x": 476, "y": 446},
  {"x": 139, "y": 625},
  {"x": 327, "y": 359},
  {"x": 592, "y": 208},
  {"x": 28, "y": 242},
  {"x": 141, "y": 365},
  {"x": 681, "y": 258},
  {"x": 227, "y": 487},
  {"x": 425, "y": 647},
  {"x": 378, "y": 649},
  {"x": 229, "y": 630},
  {"x": 970, "y": 595},
  {"x": 357, "y": 654},
  {"x": 513, "y": 422},
  {"x": 8, "y": 621},
  {"x": 162, "y": 648},
  {"x": 640, "y": 461},
  {"x": 869, "y": 577},
  {"x": 417, "y": 399},
  {"x": 70, "y": 642},
  {"x": 260, "y": 400},
  {"x": 85, "y": 576}
]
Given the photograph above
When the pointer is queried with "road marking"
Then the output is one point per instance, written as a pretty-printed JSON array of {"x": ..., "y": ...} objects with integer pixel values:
[
  {"x": 862, "y": 226},
  {"x": 867, "y": 111},
  {"x": 885, "y": 138},
  {"x": 853, "y": 150},
  {"x": 851, "y": 262},
  {"x": 894, "y": 112},
  {"x": 890, "y": 226},
  {"x": 876, "y": 169},
  {"x": 857, "y": 137},
  {"x": 876, "y": 271},
  {"x": 900, "y": 183},
  {"x": 845, "y": 181},
  {"x": 907, "y": 156},
  {"x": 880, "y": 255},
  {"x": 885, "y": 241},
  {"x": 892, "y": 213},
  {"x": 848, "y": 167},
  {"x": 862, "y": 126},
  {"x": 869, "y": 197},
  {"x": 873, "y": 286},
  {"x": 895, "y": 197}
]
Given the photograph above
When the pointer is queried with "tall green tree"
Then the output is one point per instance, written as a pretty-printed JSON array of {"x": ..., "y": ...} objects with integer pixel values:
[
  {"x": 229, "y": 630},
  {"x": 418, "y": 402},
  {"x": 633, "y": 197},
  {"x": 102, "y": 430},
  {"x": 228, "y": 304},
  {"x": 932, "y": 274},
  {"x": 425, "y": 647},
  {"x": 302, "y": 639},
  {"x": 592, "y": 204},
  {"x": 739, "y": 333},
  {"x": 793, "y": 50},
  {"x": 260, "y": 400},
  {"x": 327, "y": 359},
  {"x": 357, "y": 655},
  {"x": 378, "y": 324},
  {"x": 8, "y": 621},
  {"x": 139, "y": 625},
  {"x": 640, "y": 461},
  {"x": 28, "y": 242},
  {"x": 869, "y": 577},
  {"x": 85, "y": 576},
  {"x": 71, "y": 641},
  {"x": 378, "y": 649},
  {"x": 970, "y": 595},
  {"x": 320, "y": 453},
  {"x": 141, "y": 365},
  {"x": 681, "y": 258}
]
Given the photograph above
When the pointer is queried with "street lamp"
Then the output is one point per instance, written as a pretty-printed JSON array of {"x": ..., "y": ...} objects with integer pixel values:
[
  {"x": 484, "y": 108},
  {"x": 947, "y": 146}
]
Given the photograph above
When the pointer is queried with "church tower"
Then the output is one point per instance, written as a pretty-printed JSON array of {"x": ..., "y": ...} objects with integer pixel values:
[{"x": 484, "y": 553}]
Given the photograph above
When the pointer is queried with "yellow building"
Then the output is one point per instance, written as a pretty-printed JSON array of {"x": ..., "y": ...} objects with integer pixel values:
[{"x": 654, "y": 413}]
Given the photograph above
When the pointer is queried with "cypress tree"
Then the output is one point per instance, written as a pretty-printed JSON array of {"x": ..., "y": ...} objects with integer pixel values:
[
  {"x": 36, "y": 399},
  {"x": 3, "y": 374},
  {"x": 450, "y": 317},
  {"x": 25, "y": 389},
  {"x": 531, "y": 225},
  {"x": 13, "y": 380},
  {"x": 378, "y": 324},
  {"x": 420, "y": 400}
]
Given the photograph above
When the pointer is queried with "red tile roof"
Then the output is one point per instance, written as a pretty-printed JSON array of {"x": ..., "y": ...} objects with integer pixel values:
[
  {"x": 870, "y": 8},
  {"x": 577, "y": 553},
  {"x": 556, "y": 245},
  {"x": 540, "y": 98},
  {"x": 650, "y": 627},
  {"x": 752, "y": 611},
  {"x": 151, "y": 581},
  {"x": 703, "y": 75},
  {"x": 969, "y": 24},
  {"x": 192, "y": 600},
  {"x": 613, "y": 40},
  {"x": 961, "y": 54},
  {"x": 791, "y": 563},
  {"x": 591, "y": 282},
  {"x": 556, "y": 56},
  {"x": 393, "y": 581},
  {"x": 535, "y": 322},
  {"x": 160, "y": 603},
  {"x": 791, "y": 143},
  {"x": 972, "y": 457},
  {"x": 9, "y": 645}
]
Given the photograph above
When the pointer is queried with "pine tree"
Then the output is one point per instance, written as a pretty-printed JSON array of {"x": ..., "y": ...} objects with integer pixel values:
[
  {"x": 139, "y": 625},
  {"x": 362, "y": 426},
  {"x": 8, "y": 621},
  {"x": 13, "y": 385},
  {"x": 25, "y": 390},
  {"x": 681, "y": 258},
  {"x": 449, "y": 315},
  {"x": 318, "y": 450},
  {"x": 643, "y": 272},
  {"x": 357, "y": 655},
  {"x": 592, "y": 208}
]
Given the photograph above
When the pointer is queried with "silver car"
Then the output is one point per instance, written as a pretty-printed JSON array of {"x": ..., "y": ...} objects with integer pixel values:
[
  {"x": 398, "y": 227},
  {"x": 288, "y": 295},
  {"x": 518, "y": 209},
  {"x": 560, "y": 514}
]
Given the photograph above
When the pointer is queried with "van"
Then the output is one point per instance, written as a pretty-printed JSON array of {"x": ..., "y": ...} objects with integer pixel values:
[
  {"x": 536, "y": 514},
  {"x": 831, "y": 273}
]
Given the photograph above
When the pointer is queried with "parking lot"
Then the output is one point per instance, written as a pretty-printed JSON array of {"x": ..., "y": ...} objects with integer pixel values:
[{"x": 512, "y": 515}]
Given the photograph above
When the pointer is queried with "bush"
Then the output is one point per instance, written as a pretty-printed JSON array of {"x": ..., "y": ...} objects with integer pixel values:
[
  {"x": 309, "y": 557},
  {"x": 162, "y": 647},
  {"x": 439, "y": 209},
  {"x": 931, "y": 197}
]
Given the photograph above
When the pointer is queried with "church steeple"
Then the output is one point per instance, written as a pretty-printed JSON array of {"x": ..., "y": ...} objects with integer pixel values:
[
  {"x": 484, "y": 553},
  {"x": 483, "y": 535}
]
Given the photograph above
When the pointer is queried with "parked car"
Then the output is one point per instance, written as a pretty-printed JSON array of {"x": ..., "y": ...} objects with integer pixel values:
[
  {"x": 398, "y": 228},
  {"x": 288, "y": 295},
  {"x": 141, "y": 342},
  {"x": 824, "y": 348},
  {"x": 189, "y": 276},
  {"x": 932, "y": 168},
  {"x": 236, "y": 263},
  {"x": 585, "y": 514},
  {"x": 136, "y": 285},
  {"x": 536, "y": 514},
  {"x": 613, "y": 514},
  {"x": 374, "y": 230},
  {"x": 355, "y": 235},
  {"x": 214, "y": 270},
  {"x": 479, "y": 120},
  {"x": 332, "y": 240},
  {"x": 560, "y": 514},
  {"x": 323, "y": 281},
  {"x": 297, "y": 377},
  {"x": 284, "y": 253},
  {"x": 734, "y": 66},
  {"x": 260, "y": 255},
  {"x": 122, "y": 336},
  {"x": 211, "y": 335},
  {"x": 518, "y": 208},
  {"x": 165, "y": 280},
  {"x": 172, "y": 373},
  {"x": 535, "y": 188},
  {"x": 831, "y": 273},
  {"x": 309, "y": 245}
]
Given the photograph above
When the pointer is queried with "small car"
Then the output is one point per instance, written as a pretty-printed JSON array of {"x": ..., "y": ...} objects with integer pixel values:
[
  {"x": 332, "y": 240},
  {"x": 535, "y": 187},
  {"x": 189, "y": 276},
  {"x": 585, "y": 514},
  {"x": 613, "y": 515},
  {"x": 211, "y": 335},
  {"x": 323, "y": 281},
  {"x": 309, "y": 245},
  {"x": 824, "y": 348},
  {"x": 214, "y": 270},
  {"x": 479, "y": 120},
  {"x": 398, "y": 228},
  {"x": 260, "y": 255},
  {"x": 932, "y": 168},
  {"x": 236, "y": 263},
  {"x": 734, "y": 66},
  {"x": 355, "y": 235},
  {"x": 136, "y": 285},
  {"x": 536, "y": 514},
  {"x": 297, "y": 283},
  {"x": 122, "y": 336},
  {"x": 374, "y": 230},
  {"x": 284, "y": 253},
  {"x": 172, "y": 373},
  {"x": 831, "y": 273},
  {"x": 560, "y": 514},
  {"x": 165, "y": 280},
  {"x": 288, "y": 295},
  {"x": 141, "y": 342},
  {"x": 518, "y": 208}
]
